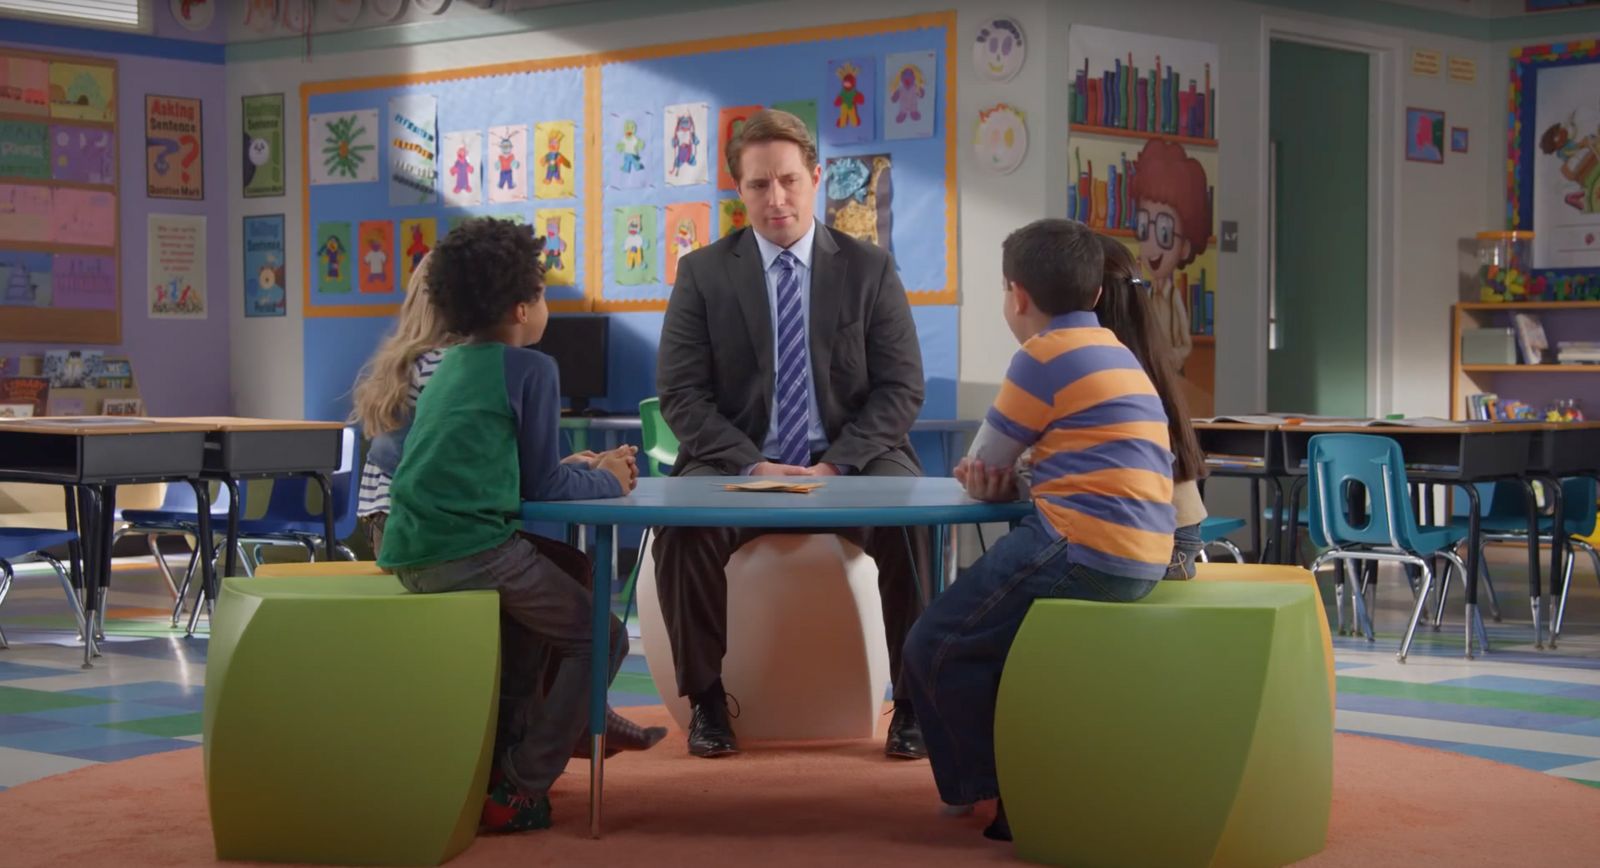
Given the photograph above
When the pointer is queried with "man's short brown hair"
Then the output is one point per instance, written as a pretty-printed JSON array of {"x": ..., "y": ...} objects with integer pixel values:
[{"x": 771, "y": 125}]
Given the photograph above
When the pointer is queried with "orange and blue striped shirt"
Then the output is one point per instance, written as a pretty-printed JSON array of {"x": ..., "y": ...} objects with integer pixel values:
[{"x": 1102, "y": 460}]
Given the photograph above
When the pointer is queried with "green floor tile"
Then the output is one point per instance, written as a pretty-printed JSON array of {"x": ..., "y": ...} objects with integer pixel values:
[
  {"x": 631, "y": 682},
  {"x": 176, "y": 726},
  {"x": 17, "y": 700},
  {"x": 1469, "y": 696},
  {"x": 1595, "y": 784}
]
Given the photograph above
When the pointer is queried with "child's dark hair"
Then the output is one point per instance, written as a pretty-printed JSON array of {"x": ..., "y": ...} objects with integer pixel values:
[
  {"x": 1058, "y": 262},
  {"x": 482, "y": 269},
  {"x": 1125, "y": 310}
]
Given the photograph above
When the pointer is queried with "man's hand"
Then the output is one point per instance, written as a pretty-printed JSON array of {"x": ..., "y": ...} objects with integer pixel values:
[
  {"x": 772, "y": 468},
  {"x": 988, "y": 484},
  {"x": 823, "y": 469}
]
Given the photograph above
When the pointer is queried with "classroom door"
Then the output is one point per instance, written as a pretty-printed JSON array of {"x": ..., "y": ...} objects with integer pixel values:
[{"x": 1317, "y": 349}]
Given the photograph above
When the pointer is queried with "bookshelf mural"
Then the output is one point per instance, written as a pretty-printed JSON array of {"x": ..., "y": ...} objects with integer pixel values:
[{"x": 1142, "y": 144}]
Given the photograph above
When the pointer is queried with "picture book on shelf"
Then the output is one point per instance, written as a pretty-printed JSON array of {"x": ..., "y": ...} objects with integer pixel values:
[
  {"x": 1530, "y": 338},
  {"x": 73, "y": 369},
  {"x": 34, "y": 391},
  {"x": 16, "y": 411}
]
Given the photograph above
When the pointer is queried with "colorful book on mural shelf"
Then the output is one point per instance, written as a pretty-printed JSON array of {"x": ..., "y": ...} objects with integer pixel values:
[
  {"x": 1155, "y": 101},
  {"x": 1107, "y": 203}
]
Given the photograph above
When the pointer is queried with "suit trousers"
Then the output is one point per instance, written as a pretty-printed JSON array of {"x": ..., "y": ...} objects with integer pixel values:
[{"x": 692, "y": 583}]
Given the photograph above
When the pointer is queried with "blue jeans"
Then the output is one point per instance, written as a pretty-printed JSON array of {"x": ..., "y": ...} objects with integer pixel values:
[
  {"x": 957, "y": 649},
  {"x": 1186, "y": 548}
]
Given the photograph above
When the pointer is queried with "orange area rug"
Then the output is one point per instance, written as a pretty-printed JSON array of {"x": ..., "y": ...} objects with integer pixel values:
[{"x": 830, "y": 804}]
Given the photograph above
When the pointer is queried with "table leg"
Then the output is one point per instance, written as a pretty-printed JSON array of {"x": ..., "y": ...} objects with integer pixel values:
[
  {"x": 205, "y": 553},
  {"x": 231, "y": 553},
  {"x": 89, "y": 503},
  {"x": 108, "y": 521},
  {"x": 1256, "y": 520},
  {"x": 75, "y": 549},
  {"x": 1474, "y": 624},
  {"x": 939, "y": 532},
  {"x": 1558, "y": 550},
  {"x": 1293, "y": 530},
  {"x": 599, "y": 665},
  {"x": 328, "y": 542},
  {"x": 1530, "y": 499}
]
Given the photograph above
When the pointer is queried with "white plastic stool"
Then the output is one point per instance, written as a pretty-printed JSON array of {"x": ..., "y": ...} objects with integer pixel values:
[{"x": 806, "y": 654}]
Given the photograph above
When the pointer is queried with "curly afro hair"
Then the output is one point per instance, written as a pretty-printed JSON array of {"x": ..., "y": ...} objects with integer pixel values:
[{"x": 482, "y": 269}]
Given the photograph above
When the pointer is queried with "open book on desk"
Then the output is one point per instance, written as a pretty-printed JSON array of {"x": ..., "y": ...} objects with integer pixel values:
[
  {"x": 1413, "y": 422},
  {"x": 1264, "y": 419}
]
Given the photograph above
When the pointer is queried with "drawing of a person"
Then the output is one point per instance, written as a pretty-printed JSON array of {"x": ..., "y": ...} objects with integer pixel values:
[
  {"x": 633, "y": 248},
  {"x": 418, "y": 247},
  {"x": 1580, "y": 162},
  {"x": 737, "y": 216},
  {"x": 908, "y": 94},
  {"x": 333, "y": 251},
  {"x": 554, "y": 245},
  {"x": 631, "y": 147},
  {"x": 849, "y": 100},
  {"x": 554, "y": 160},
  {"x": 684, "y": 142},
  {"x": 1174, "y": 225},
  {"x": 377, "y": 260},
  {"x": 462, "y": 170},
  {"x": 684, "y": 238},
  {"x": 508, "y": 163},
  {"x": 269, "y": 295}
]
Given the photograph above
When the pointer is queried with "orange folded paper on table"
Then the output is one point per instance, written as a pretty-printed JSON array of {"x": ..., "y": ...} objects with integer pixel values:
[{"x": 774, "y": 485}]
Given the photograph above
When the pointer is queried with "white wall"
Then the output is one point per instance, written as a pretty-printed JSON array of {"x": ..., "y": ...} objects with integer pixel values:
[{"x": 1441, "y": 205}]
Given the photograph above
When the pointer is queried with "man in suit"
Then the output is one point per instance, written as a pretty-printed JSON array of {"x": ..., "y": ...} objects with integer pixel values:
[{"x": 788, "y": 350}]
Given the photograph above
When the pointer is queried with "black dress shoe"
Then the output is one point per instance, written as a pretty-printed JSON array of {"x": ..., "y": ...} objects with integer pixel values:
[
  {"x": 905, "y": 735},
  {"x": 710, "y": 735}
]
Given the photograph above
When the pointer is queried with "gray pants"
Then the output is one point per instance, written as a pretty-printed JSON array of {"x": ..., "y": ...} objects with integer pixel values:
[{"x": 544, "y": 648}]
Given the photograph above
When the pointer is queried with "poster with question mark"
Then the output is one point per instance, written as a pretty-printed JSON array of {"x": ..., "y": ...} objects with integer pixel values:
[{"x": 174, "y": 168}]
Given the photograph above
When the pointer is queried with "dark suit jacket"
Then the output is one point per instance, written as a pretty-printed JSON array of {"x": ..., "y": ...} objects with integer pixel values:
[{"x": 714, "y": 374}]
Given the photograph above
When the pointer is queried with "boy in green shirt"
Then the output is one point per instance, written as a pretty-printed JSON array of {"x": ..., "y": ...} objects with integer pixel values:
[{"x": 485, "y": 438}]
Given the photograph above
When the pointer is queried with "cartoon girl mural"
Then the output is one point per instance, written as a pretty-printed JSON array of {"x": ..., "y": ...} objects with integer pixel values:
[
  {"x": 1580, "y": 162},
  {"x": 631, "y": 147},
  {"x": 1174, "y": 214},
  {"x": 909, "y": 93},
  {"x": 849, "y": 100},
  {"x": 684, "y": 142}
]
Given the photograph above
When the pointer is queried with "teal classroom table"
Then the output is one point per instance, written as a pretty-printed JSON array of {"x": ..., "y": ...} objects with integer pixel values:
[{"x": 702, "y": 501}]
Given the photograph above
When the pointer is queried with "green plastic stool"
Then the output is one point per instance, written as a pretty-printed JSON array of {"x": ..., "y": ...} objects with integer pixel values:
[
  {"x": 1192, "y": 728},
  {"x": 347, "y": 721}
]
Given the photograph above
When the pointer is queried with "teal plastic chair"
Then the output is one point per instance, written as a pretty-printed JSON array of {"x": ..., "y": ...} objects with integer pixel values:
[
  {"x": 1505, "y": 520},
  {"x": 1214, "y": 531},
  {"x": 660, "y": 453},
  {"x": 1378, "y": 527}
]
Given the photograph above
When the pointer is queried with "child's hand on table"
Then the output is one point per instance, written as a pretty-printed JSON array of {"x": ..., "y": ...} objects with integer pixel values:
[
  {"x": 620, "y": 463},
  {"x": 988, "y": 484}
]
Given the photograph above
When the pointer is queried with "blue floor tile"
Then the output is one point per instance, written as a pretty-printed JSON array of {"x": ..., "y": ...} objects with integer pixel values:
[
  {"x": 67, "y": 741},
  {"x": 110, "y": 712},
  {"x": 19, "y": 671},
  {"x": 175, "y": 649},
  {"x": 13, "y": 724},
  {"x": 1534, "y": 760},
  {"x": 128, "y": 750},
  {"x": 1536, "y": 686}
]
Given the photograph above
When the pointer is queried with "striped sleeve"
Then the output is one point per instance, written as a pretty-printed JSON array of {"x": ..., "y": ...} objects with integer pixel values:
[{"x": 421, "y": 371}]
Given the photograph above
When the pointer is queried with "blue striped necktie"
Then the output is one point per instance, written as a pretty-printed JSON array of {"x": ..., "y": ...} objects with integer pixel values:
[{"x": 793, "y": 391}]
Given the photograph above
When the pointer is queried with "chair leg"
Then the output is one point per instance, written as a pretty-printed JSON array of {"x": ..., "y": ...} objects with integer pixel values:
[
  {"x": 1358, "y": 601},
  {"x": 1338, "y": 586},
  {"x": 1416, "y": 614},
  {"x": 66, "y": 585},
  {"x": 5, "y": 588},
  {"x": 153, "y": 540},
  {"x": 1474, "y": 624},
  {"x": 183, "y": 590},
  {"x": 1566, "y": 582},
  {"x": 246, "y": 563},
  {"x": 344, "y": 552},
  {"x": 1488, "y": 583},
  {"x": 1341, "y": 587},
  {"x": 631, "y": 592},
  {"x": 1444, "y": 595}
]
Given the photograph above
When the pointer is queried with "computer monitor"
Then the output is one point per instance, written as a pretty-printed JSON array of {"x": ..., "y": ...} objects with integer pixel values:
[{"x": 578, "y": 344}]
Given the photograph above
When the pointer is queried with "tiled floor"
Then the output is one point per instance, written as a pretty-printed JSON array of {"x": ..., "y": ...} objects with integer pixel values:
[{"x": 1535, "y": 709}]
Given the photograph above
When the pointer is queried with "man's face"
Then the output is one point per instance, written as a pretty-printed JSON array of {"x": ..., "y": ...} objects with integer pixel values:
[{"x": 778, "y": 190}]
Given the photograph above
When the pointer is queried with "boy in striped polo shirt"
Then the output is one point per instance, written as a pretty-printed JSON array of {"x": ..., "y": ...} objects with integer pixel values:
[{"x": 1101, "y": 487}]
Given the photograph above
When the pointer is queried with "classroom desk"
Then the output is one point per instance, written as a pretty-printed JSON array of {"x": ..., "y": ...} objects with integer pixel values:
[
  {"x": 1256, "y": 451},
  {"x": 1459, "y": 455},
  {"x": 1562, "y": 449},
  {"x": 701, "y": 501},
  {"x": 90, "y": 456},
  {"x": 240, "y": 448}
]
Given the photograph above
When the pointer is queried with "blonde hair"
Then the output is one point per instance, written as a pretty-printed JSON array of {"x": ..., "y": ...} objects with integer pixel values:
[{"x": 384, "y": 383}]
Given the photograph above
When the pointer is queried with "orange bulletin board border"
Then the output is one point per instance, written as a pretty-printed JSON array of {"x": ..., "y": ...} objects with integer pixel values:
[
  {"x": 594, "y": 220},
  {"x": 68, "y": 325}
]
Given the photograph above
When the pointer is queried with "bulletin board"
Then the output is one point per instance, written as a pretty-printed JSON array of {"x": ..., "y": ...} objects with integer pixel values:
[
  {"x": 1553, "y": 167},
  {"x": 903, "y": 196},
  {"x": 900, "y": 187},
  {"x": 59, "y": 232},
  {"x": 373, "y": 149}
]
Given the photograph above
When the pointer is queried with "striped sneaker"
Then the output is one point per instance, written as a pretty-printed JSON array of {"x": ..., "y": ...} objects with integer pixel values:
[{"x": 509, "y": 809}]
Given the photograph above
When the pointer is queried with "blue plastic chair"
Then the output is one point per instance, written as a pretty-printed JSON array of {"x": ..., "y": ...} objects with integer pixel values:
[
  {"x": 1214, "y": 532},
  {"x": 16, "y": 542},
  {"x": 178, "y": 516},
  {"x": 1380, "y": 527},
  {"x": 289, "y": 521}
]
